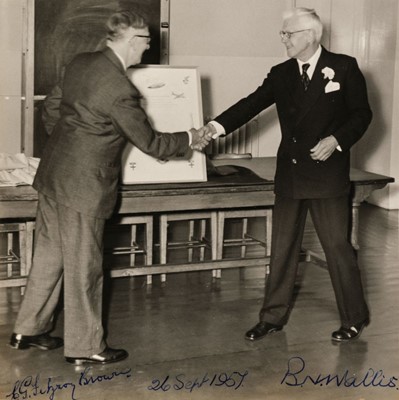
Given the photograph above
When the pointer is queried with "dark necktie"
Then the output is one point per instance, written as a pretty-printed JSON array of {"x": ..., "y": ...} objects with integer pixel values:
[{"x": 305, "y": 76}]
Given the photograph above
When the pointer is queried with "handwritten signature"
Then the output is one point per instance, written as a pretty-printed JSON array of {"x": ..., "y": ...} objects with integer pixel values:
[
  {"x": 296, "y": 376},
  {"x": 32, "y": 386},
  {"x": 178, "y": 382}
]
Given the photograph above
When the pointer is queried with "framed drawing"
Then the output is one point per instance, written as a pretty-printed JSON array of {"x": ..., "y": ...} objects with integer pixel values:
[{"x": 172, "y": 100}]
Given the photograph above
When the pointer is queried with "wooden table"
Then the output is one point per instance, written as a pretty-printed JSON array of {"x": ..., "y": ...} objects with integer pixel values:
[
  {"x": 218, "y": 193},
  {"x": 363, "y": 184}
]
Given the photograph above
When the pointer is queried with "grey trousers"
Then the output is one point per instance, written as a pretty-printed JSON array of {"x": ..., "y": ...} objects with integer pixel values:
[{"x": 68, "y": 254}]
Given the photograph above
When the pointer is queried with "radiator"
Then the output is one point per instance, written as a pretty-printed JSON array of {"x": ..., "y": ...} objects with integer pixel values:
[{"x": 243, "y": 141}]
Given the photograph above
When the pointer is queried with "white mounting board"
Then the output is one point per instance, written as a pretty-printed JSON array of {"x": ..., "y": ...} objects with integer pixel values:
[{"x": 172, "y": 101}]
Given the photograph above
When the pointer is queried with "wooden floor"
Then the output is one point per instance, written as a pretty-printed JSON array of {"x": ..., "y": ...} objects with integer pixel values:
[{"x": 186, "y": 338}]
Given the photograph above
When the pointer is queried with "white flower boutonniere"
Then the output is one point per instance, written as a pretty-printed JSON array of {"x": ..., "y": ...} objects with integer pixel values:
[{"x": 329, "y": 74}]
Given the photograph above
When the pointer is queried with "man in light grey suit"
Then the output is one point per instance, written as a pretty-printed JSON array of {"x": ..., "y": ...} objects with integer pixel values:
[{"x": 92, "y": 115}]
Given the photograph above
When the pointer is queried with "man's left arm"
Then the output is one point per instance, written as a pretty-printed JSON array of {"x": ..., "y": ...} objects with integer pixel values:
[
  {"x": 51, "y": 108},
  {"x": 359, "y": 114},
  {"x": 358, "y": 117}
]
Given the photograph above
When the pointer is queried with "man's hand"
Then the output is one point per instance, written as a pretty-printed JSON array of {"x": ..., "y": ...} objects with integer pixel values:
[
  {"x": 323, "y": 150},
  {"x": 200, "y": 137},
  {"x": 211, "y": 129}
]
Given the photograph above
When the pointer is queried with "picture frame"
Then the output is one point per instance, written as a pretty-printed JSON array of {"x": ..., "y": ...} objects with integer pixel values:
[{"x": 173, "y": 102}]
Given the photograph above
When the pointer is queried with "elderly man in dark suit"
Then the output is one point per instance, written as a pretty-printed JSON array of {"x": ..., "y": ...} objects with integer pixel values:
[
  {"x": 92, "y": 115},
  {"x": 322, "y": 105}
]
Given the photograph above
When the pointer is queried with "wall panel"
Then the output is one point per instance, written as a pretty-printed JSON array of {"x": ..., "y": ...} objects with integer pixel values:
[{"x": 11, "y": 24}]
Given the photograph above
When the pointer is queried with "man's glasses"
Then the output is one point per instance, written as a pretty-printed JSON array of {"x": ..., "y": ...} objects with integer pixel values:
[
  {"x": 148, "y": 37},
  {"x": 287, "y": 35}
]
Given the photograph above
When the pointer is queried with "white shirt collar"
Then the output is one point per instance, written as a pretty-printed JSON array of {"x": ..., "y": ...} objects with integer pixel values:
[
  {"x": 120, "y": 58},
  {"x": 312, "y": 61}
]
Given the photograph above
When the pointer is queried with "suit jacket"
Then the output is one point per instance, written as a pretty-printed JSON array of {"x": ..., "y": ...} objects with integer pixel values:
[
  {"x": 307, "y": 117},
  {"x": 99, "y": 112}
]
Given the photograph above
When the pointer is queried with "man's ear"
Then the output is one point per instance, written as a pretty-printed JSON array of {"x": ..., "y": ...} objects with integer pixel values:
[
  {"x": 133, "y": 42},
  {"x": 311, "y": 36}
]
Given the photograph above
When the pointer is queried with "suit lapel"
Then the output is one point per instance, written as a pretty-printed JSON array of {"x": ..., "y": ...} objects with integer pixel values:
[
  {"x": 316, "y": 87},
  {"x": 292, "y": 79}
]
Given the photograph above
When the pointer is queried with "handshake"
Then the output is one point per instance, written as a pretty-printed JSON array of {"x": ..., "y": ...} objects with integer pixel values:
[{"x": 201, "y": 137}]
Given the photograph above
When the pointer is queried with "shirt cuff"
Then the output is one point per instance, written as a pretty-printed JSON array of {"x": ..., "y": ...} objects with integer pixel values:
[
  {"x": 219, "y": 129},
  {"x": 338, "y": 147},
  {"x": 190, "y": 138}
]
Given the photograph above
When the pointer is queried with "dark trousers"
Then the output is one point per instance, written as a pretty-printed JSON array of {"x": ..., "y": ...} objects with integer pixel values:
[{"x": 331, "y": 220}]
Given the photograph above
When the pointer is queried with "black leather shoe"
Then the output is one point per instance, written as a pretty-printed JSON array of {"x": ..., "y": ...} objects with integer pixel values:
[
  {"x": 106, "y": 357},
  {"x": 347, "y": 334},
  {"x": 42, "y": 342},
  {"x": 262, "y": 329}
]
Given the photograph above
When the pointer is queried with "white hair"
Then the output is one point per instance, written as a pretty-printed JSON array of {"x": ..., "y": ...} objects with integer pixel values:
[
  {"x": 310, "y": 15},
  {"x": 119, "y": 22}
]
